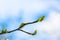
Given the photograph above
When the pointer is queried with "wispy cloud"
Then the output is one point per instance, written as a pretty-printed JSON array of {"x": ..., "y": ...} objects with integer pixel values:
[{"x": 12, "y": 11}]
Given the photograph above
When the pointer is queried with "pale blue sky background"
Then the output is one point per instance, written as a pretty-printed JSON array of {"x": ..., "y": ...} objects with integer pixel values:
[{"x": 14, "y": 12}]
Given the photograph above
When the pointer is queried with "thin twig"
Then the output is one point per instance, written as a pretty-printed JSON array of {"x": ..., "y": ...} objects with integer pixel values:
[
  {"x": 21, "y": 26},
  {"x": 19, "y": 29}
]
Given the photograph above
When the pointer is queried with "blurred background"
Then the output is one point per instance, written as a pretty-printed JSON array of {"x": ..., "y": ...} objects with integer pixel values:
[{"x": 14, "y": 12}]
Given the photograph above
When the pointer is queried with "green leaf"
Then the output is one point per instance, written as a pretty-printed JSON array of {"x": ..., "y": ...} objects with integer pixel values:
[
  {"x": 41, "y": 19},
  {"x": 4, "y": 30},
  {"x": 22, "y": 25},
  {"x": 35, "y": 32}
]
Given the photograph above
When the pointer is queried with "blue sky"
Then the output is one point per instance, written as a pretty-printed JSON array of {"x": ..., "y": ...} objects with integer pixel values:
[{"x": 14, "y": 12}]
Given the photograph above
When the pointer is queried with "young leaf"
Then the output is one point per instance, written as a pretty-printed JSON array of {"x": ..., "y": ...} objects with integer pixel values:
[
  {"x": 34, "y": 32},
  {"x": 41, "y": 19},
  {"x": 22, "y": 25},
  {"x": 4, "y": 30}
]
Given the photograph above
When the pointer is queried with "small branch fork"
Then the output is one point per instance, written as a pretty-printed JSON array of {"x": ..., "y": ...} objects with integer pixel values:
[{"x": 22, "y": 25}]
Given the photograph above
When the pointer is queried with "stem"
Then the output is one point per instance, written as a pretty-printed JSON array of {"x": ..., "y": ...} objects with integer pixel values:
[
  {"x": 22, "y": 25},
  {"x": 17, "y": 30}
]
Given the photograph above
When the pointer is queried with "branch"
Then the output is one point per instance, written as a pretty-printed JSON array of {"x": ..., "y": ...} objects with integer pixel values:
[{"x": 4, "y": 31}]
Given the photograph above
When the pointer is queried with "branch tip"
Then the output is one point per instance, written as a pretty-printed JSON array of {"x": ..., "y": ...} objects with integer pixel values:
[
  {"x": 41, "y": 19},
  {"x": 4, "y": 31},
  {"x": 35, "y": 32}
]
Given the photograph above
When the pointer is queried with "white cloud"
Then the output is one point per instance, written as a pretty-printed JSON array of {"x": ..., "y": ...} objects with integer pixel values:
[
  {"x": 11, "y": 9},
  {"x": 51, "y": 25}
]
